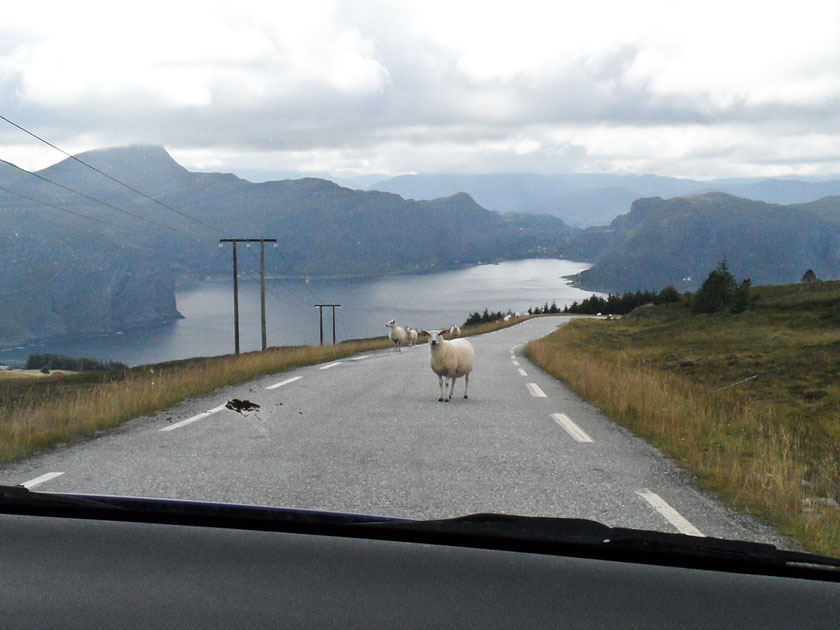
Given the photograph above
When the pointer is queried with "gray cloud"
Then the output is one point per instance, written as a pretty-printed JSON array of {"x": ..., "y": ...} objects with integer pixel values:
[{"x": 371, "y": 87}]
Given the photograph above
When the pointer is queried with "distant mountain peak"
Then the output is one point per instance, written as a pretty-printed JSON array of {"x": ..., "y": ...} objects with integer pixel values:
[
  {"x": 138, "y": 155},
  {"x": 460, "y": 199},
  {"x": 137, "y": 165}
]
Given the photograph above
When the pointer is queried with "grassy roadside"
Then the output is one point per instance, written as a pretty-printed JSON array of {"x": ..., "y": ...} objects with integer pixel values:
[
  {"x": 41, "y": 412},
  {"x": 749, "y": 403}
]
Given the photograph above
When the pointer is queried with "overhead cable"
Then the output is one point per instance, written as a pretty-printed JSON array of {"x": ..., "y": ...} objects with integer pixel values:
[{"x": 113, "y": 179}]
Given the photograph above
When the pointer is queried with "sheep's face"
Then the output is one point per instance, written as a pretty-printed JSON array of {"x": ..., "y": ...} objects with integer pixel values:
[
  {"x": 391, "y": 324},
  {"x": 435, "y": 336}
]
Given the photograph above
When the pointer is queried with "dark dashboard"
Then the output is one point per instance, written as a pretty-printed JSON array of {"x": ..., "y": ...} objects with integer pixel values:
[{"x": 70, "y": 561}]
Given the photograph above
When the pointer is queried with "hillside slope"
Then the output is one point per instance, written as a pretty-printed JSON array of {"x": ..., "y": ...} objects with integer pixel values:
[
  {"x": 589, "y": 199},
  {"x": 678, "y": 241},
  {"x": 114, "y": 267},
  {"x": 748, "y": 403}
]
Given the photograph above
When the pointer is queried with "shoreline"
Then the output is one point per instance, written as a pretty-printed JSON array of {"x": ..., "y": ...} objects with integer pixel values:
[{"x": 543, "y": 277}]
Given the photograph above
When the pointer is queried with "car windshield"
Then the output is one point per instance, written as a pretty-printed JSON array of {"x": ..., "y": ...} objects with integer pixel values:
[{"x": 425, "y": 259}]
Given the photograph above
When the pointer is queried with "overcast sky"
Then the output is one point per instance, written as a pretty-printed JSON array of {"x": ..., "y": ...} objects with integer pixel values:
[{"x": 697, "y": 89}]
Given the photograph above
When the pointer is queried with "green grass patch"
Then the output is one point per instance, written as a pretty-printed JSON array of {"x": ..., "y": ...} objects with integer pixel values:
[{"x": 749, "y": 403}]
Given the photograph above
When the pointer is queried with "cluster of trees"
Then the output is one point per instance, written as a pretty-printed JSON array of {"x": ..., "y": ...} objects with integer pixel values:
[
  {"x": 48, "y": 362},
  {"x": 718, "y": 292},
  {"x": 485, "y": 317},
  {"x": 545, "y": 309},
  {"x": 721, "y": 291},
  {"x": 622, "y": 304}
]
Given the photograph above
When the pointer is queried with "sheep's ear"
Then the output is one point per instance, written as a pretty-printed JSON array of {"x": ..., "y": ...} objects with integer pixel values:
[{"x": 424, "y": 332}]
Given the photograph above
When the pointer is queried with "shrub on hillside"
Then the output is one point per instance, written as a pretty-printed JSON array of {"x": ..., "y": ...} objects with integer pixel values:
[
  {"x": 620, "y": 304},
  {"x": 60, "y": 362},
  {"x": 720, "y": 290},
  {"x": 485, "y": 317}
]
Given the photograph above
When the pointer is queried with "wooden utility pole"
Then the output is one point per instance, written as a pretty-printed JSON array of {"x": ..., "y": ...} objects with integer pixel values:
[
  {"x": 262, "y": 293},
  {"x": 320, "y": 308},
  {"x": 262, "y": 242}
]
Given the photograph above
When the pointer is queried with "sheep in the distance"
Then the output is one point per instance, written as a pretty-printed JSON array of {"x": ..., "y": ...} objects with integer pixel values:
[
  {"x": 449, "y": 360},
  {"x": 411, "y": 337},
  {"x": 396, "y": 334},
  {"x": 455, "y": 331}
]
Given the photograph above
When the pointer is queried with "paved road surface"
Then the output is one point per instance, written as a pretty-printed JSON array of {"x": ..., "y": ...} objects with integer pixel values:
[{"x": 368, "y": 435}]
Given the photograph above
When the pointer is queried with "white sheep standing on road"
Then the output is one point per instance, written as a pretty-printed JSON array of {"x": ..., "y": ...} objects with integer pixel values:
[
  {"x": 450, "y": 360},
  {"x": 411, "y": 337},
  {"x": 455, "y": 331},
  {"x": 396, "y": 334}
]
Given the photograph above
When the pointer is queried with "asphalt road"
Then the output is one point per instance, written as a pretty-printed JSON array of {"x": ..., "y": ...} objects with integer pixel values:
[{"x": 368, "y": 435}]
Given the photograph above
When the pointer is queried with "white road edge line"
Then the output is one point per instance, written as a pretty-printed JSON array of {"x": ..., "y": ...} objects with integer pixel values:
[
  {"x": 286, "y": 382},
  {"x": 367, "y": 356},
  {"x": 327, "y": 367},
  {"x": 671, "y": 515},
  {"x": 195, "y": 418},
  {"x": 535, "y": 390},
  {"x": 39, "y": 480},
  {"x": 522, "y": 372},
  {"x": 516, "y": 363},
  {"x": 571, "y": 428}
]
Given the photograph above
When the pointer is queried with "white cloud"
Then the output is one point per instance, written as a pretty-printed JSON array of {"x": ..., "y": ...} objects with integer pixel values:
[
  {"x": 185, "y": 55},
  {"x": 396, "y": 85}
]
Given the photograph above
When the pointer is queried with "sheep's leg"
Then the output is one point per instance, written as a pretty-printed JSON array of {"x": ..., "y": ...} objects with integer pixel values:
[
  {"x": 440, "y": 381},
  {"x": 451, "y": 388},
  {"x": 466, "y": 383}
]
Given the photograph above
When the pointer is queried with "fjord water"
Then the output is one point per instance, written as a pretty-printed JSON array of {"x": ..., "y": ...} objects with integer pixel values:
[{"x": 434, "y": 300}]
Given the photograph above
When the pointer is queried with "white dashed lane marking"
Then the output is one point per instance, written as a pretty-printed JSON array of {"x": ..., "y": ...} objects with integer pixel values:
[
  {"x": 331, "y": 365},
  {"x": 360, "y": 358},
  {"x": 671, "y": 515},
  {"x": 39, "y": 480},
  {"x": 195, "y": 418},
  {"x": 535, "y": 390},
  {"x": 516, "y": 363},
  {"x": 522, "y": 372},
  {"x": 571, "y": 428},
  {"x": 286, "y": 382}
]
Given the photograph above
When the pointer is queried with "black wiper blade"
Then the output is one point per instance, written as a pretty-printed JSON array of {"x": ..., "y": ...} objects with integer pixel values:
[
  {"x": 543, "y": 535},
  {"x": 525, "y": 528},
  {"x": 21, "y": 500},
  {"x": 594, "y": 539},
  {"x": 716, "y": 547}
]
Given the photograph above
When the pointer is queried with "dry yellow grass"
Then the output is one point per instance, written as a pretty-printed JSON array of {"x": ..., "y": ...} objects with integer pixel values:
[
  {"x": 22, "y": 374},
  {"x": 762, "y": 455},
  {"x": 48, "y": 411}
]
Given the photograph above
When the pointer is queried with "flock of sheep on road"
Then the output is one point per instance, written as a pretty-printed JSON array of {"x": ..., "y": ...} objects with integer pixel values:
[{"x": 450, "y": 359}]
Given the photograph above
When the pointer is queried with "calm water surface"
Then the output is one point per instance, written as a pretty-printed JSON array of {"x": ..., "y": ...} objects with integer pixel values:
[{"x": 422, "y": 301}]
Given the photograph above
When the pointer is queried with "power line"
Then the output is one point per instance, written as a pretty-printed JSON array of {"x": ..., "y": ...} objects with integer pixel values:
[
  {"x": 113, "y": 179},
  {"x": 320, "y": 308},
  {"x": 131, "y": 188},
  {"x": 51, "y": 205},
  {"x": 262, "y": 242},
  {"x": 81, "y": 194}
]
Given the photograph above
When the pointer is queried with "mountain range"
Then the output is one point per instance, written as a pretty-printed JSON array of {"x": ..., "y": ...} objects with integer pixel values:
[
  {"x": 587, "y": 199},
  {"x": 679, "y": 241},
  {"x": 83, "y": 253}
]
